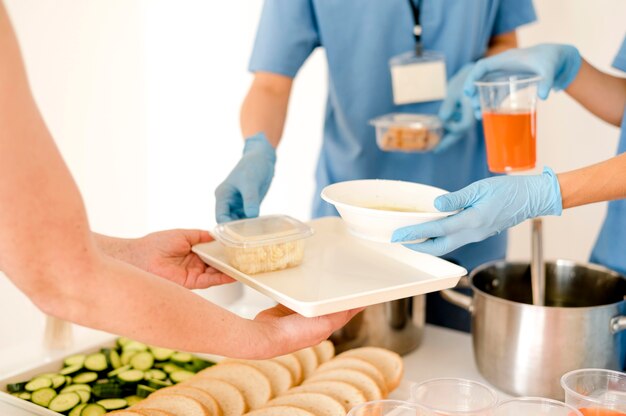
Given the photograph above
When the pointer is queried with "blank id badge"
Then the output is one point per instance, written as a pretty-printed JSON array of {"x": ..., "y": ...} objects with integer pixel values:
[{"x": 417, "y": 79}]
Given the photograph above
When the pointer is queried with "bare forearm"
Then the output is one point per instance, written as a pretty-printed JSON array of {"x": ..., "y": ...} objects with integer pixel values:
[
  {"x": 602, "y": 94},
  {"x": 604, "y": 181},
  {"x": 119, "y": 298},
  {"x": 501, "y": 43},
  {"x": 265, "y": 107}
]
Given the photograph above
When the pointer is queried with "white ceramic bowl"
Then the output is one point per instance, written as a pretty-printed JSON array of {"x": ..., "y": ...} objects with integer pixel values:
[{"x": 367, "y": 206}]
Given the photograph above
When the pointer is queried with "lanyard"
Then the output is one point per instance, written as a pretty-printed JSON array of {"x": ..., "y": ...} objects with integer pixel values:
[{"x": 417, "y": 29}]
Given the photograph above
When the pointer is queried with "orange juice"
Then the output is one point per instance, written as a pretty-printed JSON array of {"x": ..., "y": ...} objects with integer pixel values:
[
  {"x": 596, "y": 411},
  {"x": 511, "y": 140}
]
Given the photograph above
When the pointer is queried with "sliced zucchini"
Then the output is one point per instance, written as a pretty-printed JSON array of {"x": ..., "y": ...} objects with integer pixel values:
[
  {"x": 113, "y": 404},
  {"x": 24, "y": 395},
  {"x": 144, "y": 391},
  {"x": 126, "y": 356},
  {"x": 72, "y": 369},
  {"x": 76, "y": 411},
  {"x": 180, "y": 376},
  {"x": 181, "y": 358},
  {"x": 16, "y": 387},
  {"x": 58, "y": 381},
  {"x": 64, "y": 402},
  {"x": 38, "y": 383},
  {"x": 197, "y": 365},
  {"x": 158, "y": 384},
  {"x": 171, "y": 368},
  {"x": 155, "y": 374},
  {"x": 43, "y": 397},
  {"x": 115, "y": 372},
  {"x": 93, "y": 410},
  {"x": 161, "y": 354},
  {"x": 121, "y": 341},
  {"x": 132, "y": 400},
  {"x": 85, "y": 378},
  {"x": 96, "y": 362},
  {"x": 135, "y": 346},
  {"x": 108, "y": 390},
  {"x": 68, "y": 380},
  {"x": 142, "y": 361},
  {"x": 78, "y": 359},
  {"x": 76, "y": 387},
  {"x": 130, "y": 376},
  {"x": 113, "y": 357},
  {"x": 84, "y": 395}
]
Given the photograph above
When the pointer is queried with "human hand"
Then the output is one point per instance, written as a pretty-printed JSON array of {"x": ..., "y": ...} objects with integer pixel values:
[
  {"x": 456, "y": 112},
  {"x": 489, "y": 206},
  {"x": 286, "y": 331},
  {"x": 557, "y": 65},
  {"x": 167, "y": 254},
  {"x": 241, "y": 193}
]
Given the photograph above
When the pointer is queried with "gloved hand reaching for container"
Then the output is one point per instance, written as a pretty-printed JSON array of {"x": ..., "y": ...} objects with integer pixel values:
[
  {"x": 489, "y": 207},
  {"x": 557, "y": 65},
  {"x": 456, "y": 110},
  {"x": 241, "y": 193}
]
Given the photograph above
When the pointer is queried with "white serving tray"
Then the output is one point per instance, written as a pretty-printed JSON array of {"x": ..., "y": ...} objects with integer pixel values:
[
  {"x": 24, "y": 407},
  {"x": 341, "y": 272}
]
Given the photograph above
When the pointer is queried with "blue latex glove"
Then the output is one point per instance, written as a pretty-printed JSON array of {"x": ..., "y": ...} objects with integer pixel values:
[
  {"x": 557, "y": 65},
  {"x": 489, "y": 206},
  {"x": 240, "y": 195},
  {"x": 456, "y": 111}
]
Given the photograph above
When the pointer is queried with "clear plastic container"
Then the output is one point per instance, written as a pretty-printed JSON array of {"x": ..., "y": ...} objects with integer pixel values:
[
  {"x": 596, "y": 392},
  {"x": 264, "y": 244},
  {"x": 402, "y": 132}
]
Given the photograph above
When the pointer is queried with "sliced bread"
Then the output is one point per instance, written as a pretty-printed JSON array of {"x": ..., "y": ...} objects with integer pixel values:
[
  {"x": 359, "y": 365},
  {"x": 325, "y": 350},
  {"x": 278, "y": 375},
  {"x": 316, "y": 403},
  {"x": 346, "y": 394},
  {"x": 206, "y": 399},
  {"x": 228, "y": 397},
  {"x": 252, "y": 384},
  {"x": 388, "y": 362},
  {"x": 153, "y": 412},
  {"x": 308, "y": 361},
  {"x": 280, "y": 411},
  {"x": 176, "y": 404},
  {"x": 360, "y": 380},
  {"x": 293, "y": 365}
]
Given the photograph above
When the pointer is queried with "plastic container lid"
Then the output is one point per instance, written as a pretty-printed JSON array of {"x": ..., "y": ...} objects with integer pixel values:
[
  {"x": 261, "y": 231},
  {"x": 416, "y": 121}
]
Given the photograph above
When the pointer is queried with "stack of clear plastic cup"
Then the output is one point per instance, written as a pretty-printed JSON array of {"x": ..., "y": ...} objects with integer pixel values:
[
  {"x": 388, "y": 408},
  {"x": 535, "y": 406},
  {"x": 596, "y": 392},
  {"x": 455, "y": 397}
]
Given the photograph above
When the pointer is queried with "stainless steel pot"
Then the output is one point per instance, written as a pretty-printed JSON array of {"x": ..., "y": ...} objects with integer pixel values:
[
  {"x": 524, "y": 349},
  {"x": 397, "y": 325}
]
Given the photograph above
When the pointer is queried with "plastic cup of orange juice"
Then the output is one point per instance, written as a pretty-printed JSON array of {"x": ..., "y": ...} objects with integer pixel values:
[
  {"x": 596, "y": 392},
  {"x": 535, "y": 406},
  {"x": 508, "y": 104}
]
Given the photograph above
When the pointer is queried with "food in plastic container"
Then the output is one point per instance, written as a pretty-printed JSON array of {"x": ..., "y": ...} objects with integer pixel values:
[
  {"x": 401, "y": 132},
  {"x": 263, "y": 244}
]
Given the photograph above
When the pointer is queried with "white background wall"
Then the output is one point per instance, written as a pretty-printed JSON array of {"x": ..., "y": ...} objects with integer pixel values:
[{"x": 143, "y": 98}]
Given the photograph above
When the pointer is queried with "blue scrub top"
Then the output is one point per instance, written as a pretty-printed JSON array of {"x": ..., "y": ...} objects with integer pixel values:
[
  {"x": 610, "y": 248},
  {"x": 359, "y": 38}
]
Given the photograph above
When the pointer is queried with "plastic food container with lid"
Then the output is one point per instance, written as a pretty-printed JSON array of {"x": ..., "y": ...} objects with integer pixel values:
[
  {"x": 403, "y": 132},
  {"x": 263, "y": 244}
]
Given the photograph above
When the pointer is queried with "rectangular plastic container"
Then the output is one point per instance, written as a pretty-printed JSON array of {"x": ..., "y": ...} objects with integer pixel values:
[
  {"x": 263, "y": 244},
  {"x": 402, "y": 132}
]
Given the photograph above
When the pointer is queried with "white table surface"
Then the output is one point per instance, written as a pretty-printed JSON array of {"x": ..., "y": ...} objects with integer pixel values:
[{"x": 443, "y": 353}]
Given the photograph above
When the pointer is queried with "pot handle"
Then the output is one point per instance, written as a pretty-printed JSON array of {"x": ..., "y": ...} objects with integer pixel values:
[
  {"x": 459, "y": 299},
  {"x": 618, "y": 324}
]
